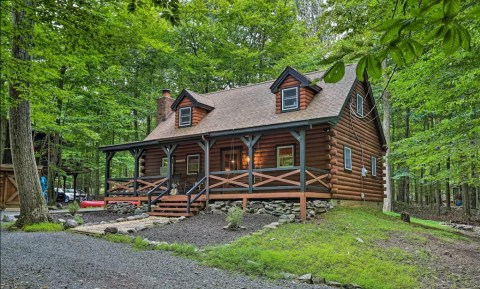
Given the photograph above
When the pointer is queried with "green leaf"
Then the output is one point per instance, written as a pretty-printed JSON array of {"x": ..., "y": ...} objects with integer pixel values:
[
  {"x": 417, "y": 47},
  {"x": 391, "y": 34},
  {"x": 407, "y": 51},
  {"x": 389, "y": 24},
  {"x": 451, "y": 8},
  {"x": 465, "y": 37},
  {"x": 374, "y": 67},
  {"x": 335, "y": 73},
  {"x": 362, "y": 64},
  {"x": 397, "y": 55},
  {"x": 451, "y": 41}
]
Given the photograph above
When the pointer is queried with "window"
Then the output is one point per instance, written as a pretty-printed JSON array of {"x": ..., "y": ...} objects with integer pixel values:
[
  {"x": 290, "y": 99},
  {"x": 185, "y": 116},
  {"x": 193, "y": 164},
  {"x": 374, "y": 166},
  {"x": 359, "y": 105},
  {"x": 164, "y": 166},
  {"x": 231, "y": 159},
  {"x": 285, "y": 156},
  {"x": 347, "y": 158}
]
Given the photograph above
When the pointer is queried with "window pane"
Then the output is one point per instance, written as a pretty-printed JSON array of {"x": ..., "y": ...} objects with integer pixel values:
[
  {"x": 185, "y": 116},
  {"x": 193, "y": 165},
  {"x": 374, "y": 166},
  {"x": 359, "y": 105},
  {"x": 347, "y": 158},
  {"x": 290, "y": 98},
  {"x": 285, "y": 156}
]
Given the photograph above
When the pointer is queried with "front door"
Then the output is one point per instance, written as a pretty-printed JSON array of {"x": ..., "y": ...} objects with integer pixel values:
[{"x": 231, "y": 159}]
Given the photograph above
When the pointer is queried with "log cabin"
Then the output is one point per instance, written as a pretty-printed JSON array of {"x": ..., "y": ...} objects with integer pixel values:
[{"x": 288, "y": 138}]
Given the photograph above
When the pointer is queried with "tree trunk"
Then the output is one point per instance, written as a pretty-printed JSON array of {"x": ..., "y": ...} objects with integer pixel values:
[
  {"x": 97, "y": 173},
  {"x": 387, "y": 202},
  {"x": 447, "y": 187},
  {"x": 439, "y": 198},
  {"x": 33, "y": 207},
  {"x": 3, "y": 135},
  {"x": 466, "y": 202}
]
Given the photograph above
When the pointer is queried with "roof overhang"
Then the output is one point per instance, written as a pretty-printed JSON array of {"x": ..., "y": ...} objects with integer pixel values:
[
  {"x": 290, "y": 71},
  {"x": 190, "y": 96}
]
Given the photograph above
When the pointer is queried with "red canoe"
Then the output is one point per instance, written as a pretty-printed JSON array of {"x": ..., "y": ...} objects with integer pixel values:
[{"x": 87, "y": 204}]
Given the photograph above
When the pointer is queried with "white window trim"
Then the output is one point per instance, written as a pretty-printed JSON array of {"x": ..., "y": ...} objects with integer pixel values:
[
  {"x": 297, "y": 95},
  {"x": 345, "y": 166},
  {"x": 278, "y": 155},
  {"x": 374, "y": 166},
  {"x": 359, "y": 107},
  {"x": 180, "y": 124},
  {"x": 188, "y": 162}
]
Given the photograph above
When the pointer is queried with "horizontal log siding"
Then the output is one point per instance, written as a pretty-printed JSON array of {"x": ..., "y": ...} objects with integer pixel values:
[
  {"x": 197, "y": 113},
  {"x": 349, "y": 185},
  {"x": 306, "y": 94}
]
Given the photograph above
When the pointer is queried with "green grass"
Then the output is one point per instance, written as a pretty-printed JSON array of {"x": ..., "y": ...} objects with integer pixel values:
[
  {"x": 115, "y": 238},
  {"x": 78, "y": 219},
  {"x": 328, "y": 248},
  {"x": 6, "y": 225},
  {"x": 43, "y": 227}
]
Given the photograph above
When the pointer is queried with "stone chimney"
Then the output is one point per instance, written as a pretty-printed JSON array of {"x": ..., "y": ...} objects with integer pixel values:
[{"x": 163, "y": 105}]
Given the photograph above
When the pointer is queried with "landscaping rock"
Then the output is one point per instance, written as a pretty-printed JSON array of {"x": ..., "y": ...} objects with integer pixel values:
[
  {"x": 130, "y": 218},
  {"x": 352, "y": 286},
  {"x": 61, "y": 221},
  {"x": 67, "y": 215},
  {"x": 307, "y": 278},
  {"x": 111, "y": 230},
  {"x": 334, "y": 284},
  {"x": 359, "y": 240},
  {"x": 270, "y": 226},
  {"x": 288, "y": 276},
  {"x": 120, "y": 220},
  {"x": 318, "y": 280},
  {"x": 70, "y": 223},
  {"x": 138, "y": 211},
  {"x": 140, "y": 228}
]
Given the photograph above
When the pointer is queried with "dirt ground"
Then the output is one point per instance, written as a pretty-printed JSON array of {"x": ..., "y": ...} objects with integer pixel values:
[{"x": 428, "y": 213}]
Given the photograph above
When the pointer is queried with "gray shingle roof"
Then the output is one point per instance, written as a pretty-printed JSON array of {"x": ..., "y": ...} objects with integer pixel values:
[{"x": 254, "y": 105}]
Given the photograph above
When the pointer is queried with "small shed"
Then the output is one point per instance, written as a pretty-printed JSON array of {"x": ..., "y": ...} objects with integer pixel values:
[{"x": 8, "y": 187}]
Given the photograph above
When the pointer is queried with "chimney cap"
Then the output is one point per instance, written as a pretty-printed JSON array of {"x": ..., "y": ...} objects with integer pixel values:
[{"x": 166, "y": 90}]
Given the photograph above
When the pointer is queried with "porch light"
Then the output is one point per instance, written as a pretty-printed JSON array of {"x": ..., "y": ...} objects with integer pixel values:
[{"x": 248, "y": 159}]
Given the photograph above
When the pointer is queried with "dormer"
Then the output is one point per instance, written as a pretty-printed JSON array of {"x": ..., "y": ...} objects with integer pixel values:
[
  {"x": 294, "y": 91},
  {"x": 190, "y": 108}
]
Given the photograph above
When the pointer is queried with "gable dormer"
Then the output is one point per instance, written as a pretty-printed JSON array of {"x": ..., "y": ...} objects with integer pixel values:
[
  {"x": 190, "y": 108},
  {"x": 293, "y": 91}
]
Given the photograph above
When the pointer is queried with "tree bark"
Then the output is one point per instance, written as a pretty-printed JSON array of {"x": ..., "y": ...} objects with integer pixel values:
[
  {"x": 33, "y": 207},
  {"x": 3, "y": 135},
  {"x": 447, "y": 187},
  {"x": 97, "y": 173},
  {"x": 387, "y": 202},
  {"x": 466, "y": 202}
]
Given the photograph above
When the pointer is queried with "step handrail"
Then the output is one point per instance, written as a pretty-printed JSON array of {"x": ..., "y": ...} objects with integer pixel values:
[
  {"x": 192, "y": 189},
  {"x": 149, "y": 194}
]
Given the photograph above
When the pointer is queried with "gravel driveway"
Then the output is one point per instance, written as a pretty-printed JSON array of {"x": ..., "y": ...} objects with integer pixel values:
[{"x": 67, "y": 260}]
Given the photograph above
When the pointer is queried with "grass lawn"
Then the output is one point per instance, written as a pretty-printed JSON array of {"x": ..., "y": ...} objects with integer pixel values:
[{"x": 345, "y": 245}]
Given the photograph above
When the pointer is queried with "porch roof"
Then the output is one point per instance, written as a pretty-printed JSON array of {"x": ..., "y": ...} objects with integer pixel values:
[{"x": 253, "y": 106}]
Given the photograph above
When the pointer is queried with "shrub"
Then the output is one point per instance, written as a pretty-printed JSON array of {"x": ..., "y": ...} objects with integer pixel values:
[
  {"x": 235, "y": 217},
  {"x": 73, "y": 208},
  {"x": 79, "y": 219}
]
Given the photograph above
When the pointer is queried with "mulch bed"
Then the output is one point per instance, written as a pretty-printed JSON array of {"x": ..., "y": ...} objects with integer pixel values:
[{"x": 205, "y": 230}]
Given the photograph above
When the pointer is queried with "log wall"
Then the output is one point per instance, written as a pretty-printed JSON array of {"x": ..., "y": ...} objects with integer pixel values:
[
  {"x": 362, "y": 137},
  {"x": 197, "y": 113},
  {"x": 306, "y": 94}
]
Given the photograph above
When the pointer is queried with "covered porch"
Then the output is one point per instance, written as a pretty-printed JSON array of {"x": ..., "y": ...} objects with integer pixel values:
[{"x": 243, "y": 165}]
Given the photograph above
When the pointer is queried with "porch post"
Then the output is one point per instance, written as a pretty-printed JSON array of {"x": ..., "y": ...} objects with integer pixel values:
[
  {"x": 206, "y": 149},
  {"x": 250, "y": 143},
  {"x": 302, "y": 161},
  {"x": 137, "y": 154},
  {"x": 108, "y": 159},
  {"x": 168, "y": 150},
  {"x": 300, "y": 137}
]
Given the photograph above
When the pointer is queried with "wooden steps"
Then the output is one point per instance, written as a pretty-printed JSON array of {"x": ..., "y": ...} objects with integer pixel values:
[{"x": 176, "y": 207}]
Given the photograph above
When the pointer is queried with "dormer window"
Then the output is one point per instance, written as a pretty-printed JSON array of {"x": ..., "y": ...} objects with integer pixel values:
[
  {"x": 290, "y": 99},
  {"x": 185, "y": 116}
]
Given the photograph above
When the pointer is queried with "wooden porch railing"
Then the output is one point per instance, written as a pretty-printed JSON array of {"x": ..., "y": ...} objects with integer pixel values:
[
  {"x": 270, "y": 179},
  {"x": 197, "y": 187},
  {"x": 126, "y": 186}
]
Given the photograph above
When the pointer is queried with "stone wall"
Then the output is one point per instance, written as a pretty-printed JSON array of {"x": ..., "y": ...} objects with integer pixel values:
[{"x": 276, "y": 208}]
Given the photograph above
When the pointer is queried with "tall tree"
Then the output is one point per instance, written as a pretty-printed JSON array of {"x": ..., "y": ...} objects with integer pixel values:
[{"x": 33, "y": 207}]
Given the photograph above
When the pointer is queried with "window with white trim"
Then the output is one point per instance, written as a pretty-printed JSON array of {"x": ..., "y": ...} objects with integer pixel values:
[
  {"x": 185, "y": 116},
  {"x": 359, "y": 105},
  {"x": 193, "y": 164},
  {"x": 290, "y": 99},
  {"x": 164, "y": 166},
  {"x": 374, "y": 166},
  {"x": 347, "y": 158},
  {"x": 285, "y": 156}
]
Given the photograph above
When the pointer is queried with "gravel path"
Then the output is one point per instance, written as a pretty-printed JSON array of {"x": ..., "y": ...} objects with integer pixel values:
[
  {"x": 204, "y": 230},
  {"x": 67, "y": 260}
]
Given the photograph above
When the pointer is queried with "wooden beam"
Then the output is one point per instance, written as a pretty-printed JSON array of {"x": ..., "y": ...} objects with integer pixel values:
[
  {"x": 302, "y": 160},
  {"x": 303, "y": 207},
  {"x": 108, "y": 159}
]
